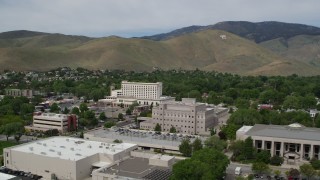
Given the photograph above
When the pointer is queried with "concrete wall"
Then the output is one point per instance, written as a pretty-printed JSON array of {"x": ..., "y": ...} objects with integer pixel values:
[
  {"x": 40, "y": 165},
  {"x": 84, "y": 166}
]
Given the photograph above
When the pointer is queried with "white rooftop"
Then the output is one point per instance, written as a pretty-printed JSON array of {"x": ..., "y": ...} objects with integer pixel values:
[
  {"x": 245, "y": 128},
  {"x": 71, "y": 148},
  {"x": 6, "y": 176}
]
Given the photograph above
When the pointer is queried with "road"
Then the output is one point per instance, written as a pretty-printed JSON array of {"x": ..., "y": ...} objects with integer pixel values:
[{"x": 246, "y": 169}]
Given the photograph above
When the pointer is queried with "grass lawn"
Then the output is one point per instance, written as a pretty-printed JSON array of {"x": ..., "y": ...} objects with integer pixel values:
[{"x": 4, "y": 144}]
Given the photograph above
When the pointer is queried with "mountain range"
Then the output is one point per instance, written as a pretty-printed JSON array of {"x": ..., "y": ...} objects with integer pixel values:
[{"x": 245, "y": 48}]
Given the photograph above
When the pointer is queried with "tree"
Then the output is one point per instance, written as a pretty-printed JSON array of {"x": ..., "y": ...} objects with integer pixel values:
[
  {"x": 128, "y": 112},
  {"x": 75, "y": 110},
  {"x": 81, "y": 135},
  {"x": 109, "y": 124},
  {"x": 229, "y": 131},
  {"x": 315, "y": 163},
  {"x": 157, "y": 128},
  {"x": 276, "y": 160},
  {"x": 173, "y": 129},
  {"x": 204, "y": 164},
  {"x": 215, "y": 143},
  {"x": 277, "y": 172},
  {"x": 260, "y": 167},
  {"x": 54, "y": 108},
  {"x": 185, "y": 148},
  {"x": 66, "y": 110},
  {"x": 196, "y": 145},
  {"x": 90, "y": 117},
  {"x": 14, "y": 128},
  {"x": 248, "y": 149},
  {"x": 102, "y": 116},
  {"x": 308, "y": 170},
  {"x": 263, "y": 156},
  {"x": 191, "y": 169},
  {"x": 120, "y": 116},
  {"x": 212, "y": 131},
  {"x": 83, "y": 107}
]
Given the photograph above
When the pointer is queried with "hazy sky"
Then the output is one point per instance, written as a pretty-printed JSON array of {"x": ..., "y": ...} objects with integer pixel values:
[{"x": 129, "y": 18}]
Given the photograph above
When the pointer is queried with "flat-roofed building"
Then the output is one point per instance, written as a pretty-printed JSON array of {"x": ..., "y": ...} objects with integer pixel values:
[
  {"x": 294, "y": 142},
  {"x": 186, "y": 116},
  {"x": 140, "y": 92},
  {"x": 64, "y": 157},
  {"x": 47, "y": 121}
]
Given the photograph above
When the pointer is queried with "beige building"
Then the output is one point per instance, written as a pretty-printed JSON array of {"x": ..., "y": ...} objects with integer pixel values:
[
  {"x": 186, "y": 116},
  {"x": 64, "y": 157},
  {"x": 79, "y": 159},
  {"x": 19, "y": 92},
  {"x": 293, "y": 142},
  {"x": 47, "y": 121}
]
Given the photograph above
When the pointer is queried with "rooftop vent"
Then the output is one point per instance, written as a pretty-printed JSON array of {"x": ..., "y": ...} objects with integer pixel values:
[
  {"x": 89, "y": 146},
  {"x": 78, "y": 154},
  {"x": 31, "y": 148},
  {"x": 72, "y": 149},
  {"x": 67, "y": 139},
  {"x": 100, "y": 146},
  {"x": 51, "y": 150},
  {"x": 59, "y": 153},
  {"x": 39, "y": 143},
  {"x": 43, "y": 153},
  {"x": 62, "y": 146}
]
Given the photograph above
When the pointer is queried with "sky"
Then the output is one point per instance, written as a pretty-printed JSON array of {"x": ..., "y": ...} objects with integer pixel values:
[{"x": 134, "y": 18}]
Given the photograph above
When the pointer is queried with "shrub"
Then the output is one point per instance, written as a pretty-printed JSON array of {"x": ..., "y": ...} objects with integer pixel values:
[
  {"x": 315, "y": 163},
  {"x": 276, "y": 160}
]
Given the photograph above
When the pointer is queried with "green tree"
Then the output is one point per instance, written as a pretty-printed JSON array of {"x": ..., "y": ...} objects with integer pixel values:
[
  {"x": 13, "y": 128},
  {"x": 75, "y": 110},
  {"x": 245, "y": 117},
  {"x": 157, "y": 128},
  {"x": 120, "y": 116},
  {"x": 229, "y": 131},
  {"x": 191, "y": 169},
  {"x": 185, "y": 148},
  {"x": 315, "y": 163},
  {"x": 260, "y": 167},
  {"x": 215, "y": 143},
  {"x": 102, "y": 116},
  {"x": 173, "y": 129},
  {"x": 83, "y": 107},
  {"x": 54, "y": 108},
  {"x": 307, "y": 170},
  {"x": 109, "y": 124},
  {"x": 276, "y": 160},
  {"x": 277, "y": 172},
  {"x": 128, "y": 112},
  {"x": 66, "y": 110},
  {"x": 248, "y": 149},
  {"x": 263, "y": 156},
  {"x": 196, "y": 145},
  {"x": 90, "y": 118}
]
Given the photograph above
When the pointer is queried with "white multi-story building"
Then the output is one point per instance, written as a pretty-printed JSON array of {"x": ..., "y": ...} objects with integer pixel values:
[
  {"x": 186, "y": 116},
  {"x": 140, "y": 92},
  {"x": 47, "y": 121}
]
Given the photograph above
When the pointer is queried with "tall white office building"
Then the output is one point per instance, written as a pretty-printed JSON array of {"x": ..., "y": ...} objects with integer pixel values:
[{"x": 142, "y": 90}]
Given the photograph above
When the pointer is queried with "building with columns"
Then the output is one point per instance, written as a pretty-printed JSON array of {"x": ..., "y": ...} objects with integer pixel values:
[{"x": 293, "y": 142}]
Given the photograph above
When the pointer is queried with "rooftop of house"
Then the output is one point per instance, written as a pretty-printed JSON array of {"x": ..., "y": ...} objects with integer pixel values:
[{"x": 68, "y": 148}]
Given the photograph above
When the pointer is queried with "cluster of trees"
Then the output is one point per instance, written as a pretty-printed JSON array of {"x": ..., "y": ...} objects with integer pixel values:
[
  {"x": 207, "y": 161},
  {"x": 241, "y": 91},
  {"x": 87, "y": 117},
  {"x": 15, "y": 113},
  {"x": 244, "y": 151}
]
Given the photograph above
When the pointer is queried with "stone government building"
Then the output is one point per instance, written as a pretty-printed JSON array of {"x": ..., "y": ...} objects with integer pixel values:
[
  {"x": 186, "y": 116},
  {"x": 294, "y": 142}
]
